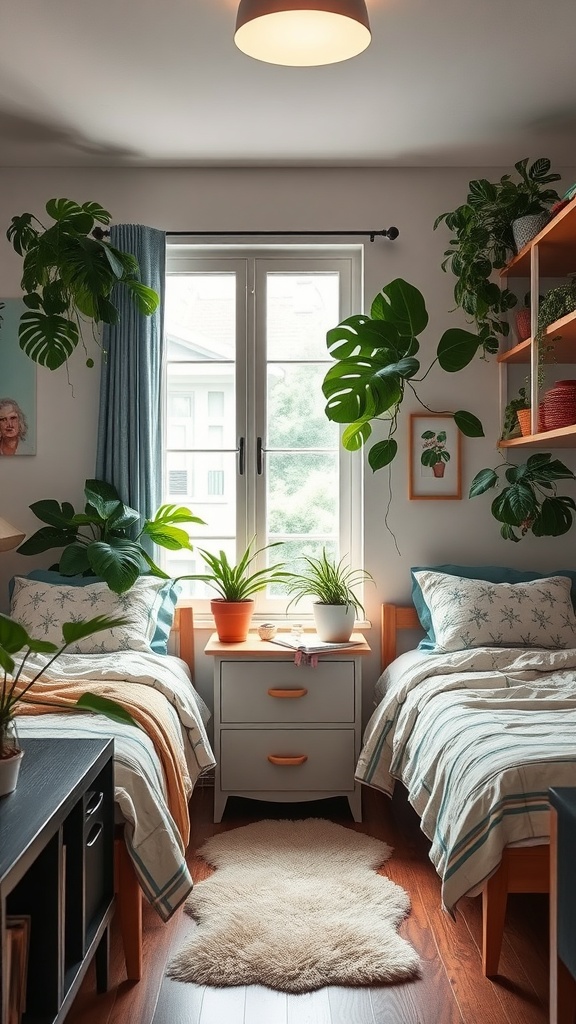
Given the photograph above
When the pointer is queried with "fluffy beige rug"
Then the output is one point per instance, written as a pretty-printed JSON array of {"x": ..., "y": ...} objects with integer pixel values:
[{"x": 295, "y": 905}]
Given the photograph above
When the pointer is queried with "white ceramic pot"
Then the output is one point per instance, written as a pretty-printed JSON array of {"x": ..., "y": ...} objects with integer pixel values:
[
  {"x": 334, "y": 622},
  {"x": 9, "y": 770}
]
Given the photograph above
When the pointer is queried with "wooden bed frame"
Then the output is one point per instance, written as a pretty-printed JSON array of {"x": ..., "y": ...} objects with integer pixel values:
[
  {"x": 128, "y": 891},
  {"x": 522, "y": 868}
]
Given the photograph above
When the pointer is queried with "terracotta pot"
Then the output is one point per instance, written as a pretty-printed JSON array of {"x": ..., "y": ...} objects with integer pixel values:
[
  {"x": 523, "y": 324},
  {"x": 524, "y": 417},
  {"x": 232, "y": 619},
  {"x": 438, "y": 468}
]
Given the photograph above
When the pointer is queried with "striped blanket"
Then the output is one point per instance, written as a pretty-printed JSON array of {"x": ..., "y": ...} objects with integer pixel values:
[
  {"x": 155, "y": 767},
  {"x": 477, "y": 737}
]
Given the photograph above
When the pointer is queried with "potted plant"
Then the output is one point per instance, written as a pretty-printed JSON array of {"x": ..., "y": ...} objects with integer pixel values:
[
  {"x": 515, "y": 422},
  {"x": 434, "y": 454},
  {"x": 104, "y": 540},
  {"x": 236, "y": 584},
  {"x": 483, "y": 239},
  {"x": 69, "y": 274},
  {"x": 15, "y": 684},
  {"x": 530, "y": 501},
  {"x": 337, "y": 604}
]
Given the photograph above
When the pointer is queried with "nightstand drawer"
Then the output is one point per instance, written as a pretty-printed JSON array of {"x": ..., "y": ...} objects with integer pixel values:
[
  {"x": 326, "y": 755},
  {"x": 245, "y": 691}
]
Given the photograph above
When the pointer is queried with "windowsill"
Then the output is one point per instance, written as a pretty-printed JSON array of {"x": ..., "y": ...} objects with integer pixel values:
[{"x": 283, "y": 625}]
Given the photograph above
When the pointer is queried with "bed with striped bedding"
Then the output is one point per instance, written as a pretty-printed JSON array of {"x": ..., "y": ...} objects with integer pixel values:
[
  {"x": 477, "y": 737},
  {"x": 154, "y": 771}
]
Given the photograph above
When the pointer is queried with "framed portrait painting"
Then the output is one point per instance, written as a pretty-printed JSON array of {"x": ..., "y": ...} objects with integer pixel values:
[
  {"x": 435, "y": 457},
  {"x": 17, "y": 386}
]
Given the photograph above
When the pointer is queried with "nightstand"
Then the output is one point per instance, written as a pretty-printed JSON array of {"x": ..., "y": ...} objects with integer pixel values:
[{"x": 284, "y": 732}]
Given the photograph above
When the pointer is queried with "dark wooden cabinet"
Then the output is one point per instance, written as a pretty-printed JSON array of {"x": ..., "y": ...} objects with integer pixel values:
[
  {"x": 562, "y": 906},
  {"x": 57, "y": 866}
]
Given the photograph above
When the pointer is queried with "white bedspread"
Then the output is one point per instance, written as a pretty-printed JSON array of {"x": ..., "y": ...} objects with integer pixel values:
[
  {"x": 153, "y": 840},
  {"x": 477, "y": 737}
]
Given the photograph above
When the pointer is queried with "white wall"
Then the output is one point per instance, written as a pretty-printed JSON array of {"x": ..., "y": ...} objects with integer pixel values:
[{"x": 427, "y": 532}]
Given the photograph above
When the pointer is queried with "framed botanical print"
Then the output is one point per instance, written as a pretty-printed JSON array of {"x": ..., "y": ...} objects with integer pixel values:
[
  {"x": 17, "y": 386},
  {"x": 435, "y": 457}
]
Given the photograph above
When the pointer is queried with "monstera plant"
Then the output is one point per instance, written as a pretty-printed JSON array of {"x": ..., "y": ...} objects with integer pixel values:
[
  {"x": 105, "y": 540},
  {"x": 68, "y": 275},
  {"x": 376, "y": 363},
  {"x": 530, "y": 501}
]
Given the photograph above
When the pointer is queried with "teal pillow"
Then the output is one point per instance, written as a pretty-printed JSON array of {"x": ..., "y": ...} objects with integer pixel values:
[
  {"x": 163, "y": 610},
  {"x": 488, "y": 573}
]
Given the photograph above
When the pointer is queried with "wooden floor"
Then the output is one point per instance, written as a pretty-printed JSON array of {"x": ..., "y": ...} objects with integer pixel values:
[{"x": 451, "y": 990}]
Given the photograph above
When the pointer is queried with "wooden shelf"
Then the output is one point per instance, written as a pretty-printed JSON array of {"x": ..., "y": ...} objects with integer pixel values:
[
  {"x": 563, "y": 351},
  {"x": 556, "y": 255},
  {"x": 563, "y": 437}
]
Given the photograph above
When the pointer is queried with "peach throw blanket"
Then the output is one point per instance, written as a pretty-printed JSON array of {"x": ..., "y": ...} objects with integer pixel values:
[{"x": 147, "y": 706}]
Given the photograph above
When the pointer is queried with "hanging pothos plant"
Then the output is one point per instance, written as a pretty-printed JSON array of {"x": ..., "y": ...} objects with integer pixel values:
[
  {"x": 68, "y": 275},
  {"x": 530, "y": 501},
  {"x": 376, "y": 361}
]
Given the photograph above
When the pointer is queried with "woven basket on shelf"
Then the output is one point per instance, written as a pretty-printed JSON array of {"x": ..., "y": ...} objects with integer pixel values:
[
  {"x": 524, "y": 416},
  {"x": 560, "y": 405}
]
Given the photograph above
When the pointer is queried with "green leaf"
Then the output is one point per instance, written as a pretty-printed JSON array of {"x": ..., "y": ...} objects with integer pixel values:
[
  {"x": 74, "y": 560},
  {"x": 47, "y": 340},
  {"x": 45, "y": 538},
  {"x": 104, "y": 706},
  {"x": 21, "y": 233},
  {"x": 468, "y": 424},
  {"x": 555, "y": 519},
  {"x": 401, "y": 304},
  {"x": 168, "y": 536},
  {"x": 355, "y": 435},
  {"x": 118, "y": 562},
  {"x": 515, "y": 505},
  {"x": 72, "y": 632},
  {"x": 171, "y": 514},
  {"x": 482, "y": 482},
  {"x": 146, "y": 299},
  {"x": 13, "y": 636},
  {"x": 51, "y": 512},
  {"x": 456, "y": 349},
  {"x": 382, "y": 453}
]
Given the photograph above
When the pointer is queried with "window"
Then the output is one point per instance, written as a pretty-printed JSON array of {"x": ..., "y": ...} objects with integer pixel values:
[{"x": 246, "y": 349}]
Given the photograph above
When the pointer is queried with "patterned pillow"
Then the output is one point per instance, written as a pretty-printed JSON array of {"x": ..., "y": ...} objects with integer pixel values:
[
  {"x": 475, "y": 613},
  {"x": 43, "y": 607}
]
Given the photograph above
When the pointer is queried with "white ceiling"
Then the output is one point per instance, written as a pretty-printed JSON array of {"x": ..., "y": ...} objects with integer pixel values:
[{"x": 160, "y": 83}]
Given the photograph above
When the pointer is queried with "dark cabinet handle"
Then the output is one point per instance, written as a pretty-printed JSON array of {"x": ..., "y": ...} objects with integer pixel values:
[{"x": 241, "y": 456}]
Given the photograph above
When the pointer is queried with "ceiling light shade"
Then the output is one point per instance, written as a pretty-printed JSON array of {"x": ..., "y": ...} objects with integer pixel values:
[
  {"x": 302, "y": 33},
  {"x": 10, "y": 537}
]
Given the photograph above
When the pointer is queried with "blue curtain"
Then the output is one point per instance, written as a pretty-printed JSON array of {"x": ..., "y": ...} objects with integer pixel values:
[{"x": 129, "y": 452}]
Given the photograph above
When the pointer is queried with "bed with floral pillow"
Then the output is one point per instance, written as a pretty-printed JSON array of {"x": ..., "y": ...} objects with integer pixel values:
[{"x": 479, "y": 724}]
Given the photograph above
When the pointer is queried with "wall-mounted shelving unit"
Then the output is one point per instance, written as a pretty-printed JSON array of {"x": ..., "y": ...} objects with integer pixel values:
[{"x": 552, "y": 253}]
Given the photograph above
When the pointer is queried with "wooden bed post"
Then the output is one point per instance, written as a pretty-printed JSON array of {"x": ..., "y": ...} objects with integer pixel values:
[{"x": 129, "y": 903}]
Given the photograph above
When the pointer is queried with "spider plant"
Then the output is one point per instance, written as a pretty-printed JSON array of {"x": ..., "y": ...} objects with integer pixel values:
[{"x": 329, "y": 581}]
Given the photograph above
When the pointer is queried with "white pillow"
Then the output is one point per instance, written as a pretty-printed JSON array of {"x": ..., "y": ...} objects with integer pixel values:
[
  {"x": 42, "y": 608},
  {"x": 473, "y": 613}
]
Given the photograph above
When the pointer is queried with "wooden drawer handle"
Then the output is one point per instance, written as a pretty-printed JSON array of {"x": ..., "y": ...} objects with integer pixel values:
[
  {"x": 288, "y": 761},
  {"x": 287, "y": 693}
]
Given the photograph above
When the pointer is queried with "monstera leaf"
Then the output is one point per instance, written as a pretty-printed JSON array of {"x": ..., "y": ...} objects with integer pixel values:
[
  {"x": 376, "y": 361},
  {"x": 68, "y": 275}
]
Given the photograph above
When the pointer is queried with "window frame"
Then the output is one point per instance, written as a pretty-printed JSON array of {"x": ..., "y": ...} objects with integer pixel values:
[{"x": 251, "y": 263}]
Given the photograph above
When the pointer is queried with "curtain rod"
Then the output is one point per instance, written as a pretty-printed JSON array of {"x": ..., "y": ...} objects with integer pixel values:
[{"x": 390, "y": 233}]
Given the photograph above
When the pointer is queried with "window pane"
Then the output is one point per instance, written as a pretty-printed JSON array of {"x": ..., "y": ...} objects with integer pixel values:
[
  {"x": 216, "y": 405},
  {"x": 197, "y": 472},
  {"x": 300, "y": 309},
  {"x": 196, "y": 383},
  {"x": 295, "y": 408},
  {"x": 200, "y": 316},
  {"x": 301, "y": 496}
]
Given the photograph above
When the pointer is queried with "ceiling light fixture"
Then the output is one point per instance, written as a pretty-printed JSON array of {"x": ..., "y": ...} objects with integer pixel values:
[{"x": 302, "y": 33}]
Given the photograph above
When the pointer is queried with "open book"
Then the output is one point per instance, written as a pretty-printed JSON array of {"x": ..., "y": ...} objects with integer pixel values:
[{"x": 310, "y": 643}]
